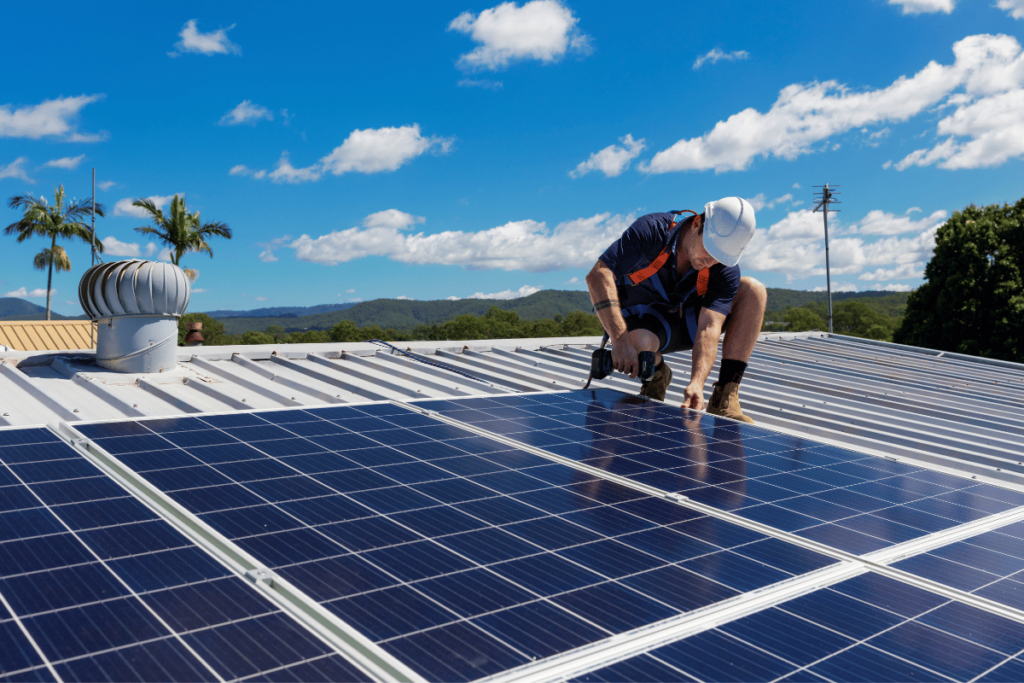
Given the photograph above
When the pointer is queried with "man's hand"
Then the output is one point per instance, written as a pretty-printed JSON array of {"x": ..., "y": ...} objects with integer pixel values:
[
  {"x": 624, "y": 356},
  {"x": 693, "y": 397}
]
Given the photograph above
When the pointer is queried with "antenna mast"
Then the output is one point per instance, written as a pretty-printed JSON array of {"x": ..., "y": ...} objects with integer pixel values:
[{"x": 824, "y": 197}]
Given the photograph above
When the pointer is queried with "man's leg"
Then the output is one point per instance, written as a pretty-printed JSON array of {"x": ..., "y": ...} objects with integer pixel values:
[{"x": 743, "y": 326}]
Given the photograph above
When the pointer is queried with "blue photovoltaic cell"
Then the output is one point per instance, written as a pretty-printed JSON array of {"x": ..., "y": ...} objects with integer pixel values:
[
  {"x": 990, "y": 565},
  {"x": 870, "y": 628},
  {"x": 850, "y": 501},
  {"x": 109, "y": 591},
  {"x": 461, "y": 556}
]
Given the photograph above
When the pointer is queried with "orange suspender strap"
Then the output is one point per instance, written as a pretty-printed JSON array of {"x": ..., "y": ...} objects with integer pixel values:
[
  {"x": 702, "y": 281},
  {"x": 660, "y": 260}
]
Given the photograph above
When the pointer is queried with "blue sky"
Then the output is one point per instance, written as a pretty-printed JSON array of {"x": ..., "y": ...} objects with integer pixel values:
[{"x": 435, "y": 150}]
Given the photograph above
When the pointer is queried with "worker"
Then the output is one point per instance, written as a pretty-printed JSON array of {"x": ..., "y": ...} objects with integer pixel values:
[{"x": 671, "y": 283}]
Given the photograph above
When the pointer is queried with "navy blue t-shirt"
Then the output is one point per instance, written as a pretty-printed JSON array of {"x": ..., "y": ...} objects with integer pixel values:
[{"x": 638, "y": 246}]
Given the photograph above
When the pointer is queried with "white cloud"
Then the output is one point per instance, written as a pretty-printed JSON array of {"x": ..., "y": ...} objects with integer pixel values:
[
  {"x": 612, "y": 160},
  {"x": 924, "y": 6},
  {"x": 796, "y": 186},
  {"x": 484, "y": 83},
  {"x": 240, "y": 169},
  {"x": 891, "y": 288},
  {"x": 906, "y": 271},
  {"x": 51, "y": 118},
  {"x": 246, "y": 112},
  {"x": 542, "y": 29},
  {"x": 453, "y": 298},
  {"x": 381, "y": 149},
  {"x": 518, "y": 245},
  {"x": 198, "y": 290},
  {"x": 124, "y": 207},
  {"x": 989, "y": 69},
  {"x": 268, "y": 255},
  {"x": 525, "y": 290},
  {"x": 165, "y": 255},
  {"x": 1014, "y": 7},
  {"x": 261, "y": 298},
  {"x": 716, "y": 55},
  {"x": 881, "y": 223},
  {"x": 404, "y": 298},
  {"x": 795, "y": 246},
  {"x": 70, "y": 163},
  {"x": 571, "y": 281},
  {"x": 213, "y": 43},
  {"x": 15, "y": 170},
  {"x": 106, "y": 185},
  {"x": 350, "y": 291},
  {"x": 838, "y": 287},
  {"x": 363, "y": 151},
  {"x": 114, "y": 247},
  {"x": 760, "y": 201},
  {"x": 23, "y": 293},
  {"x": 354, "y": 301}
]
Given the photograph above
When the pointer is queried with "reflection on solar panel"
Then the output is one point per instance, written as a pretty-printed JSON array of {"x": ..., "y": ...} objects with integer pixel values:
[
  {"x": 850, "y": 501},
  {"x": 94, "y": 586},
  {"x": 459, "y": 555},
  {"x": 869, "y": 628}
]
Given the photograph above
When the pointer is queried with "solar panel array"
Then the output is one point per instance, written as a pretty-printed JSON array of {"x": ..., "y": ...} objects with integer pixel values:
[
  {"x": 463, "y": 555},
  {"x": 107, "y": 590}
]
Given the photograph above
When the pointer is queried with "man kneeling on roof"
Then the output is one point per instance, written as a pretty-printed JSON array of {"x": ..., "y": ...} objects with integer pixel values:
[{"x": 671, "y": 284}]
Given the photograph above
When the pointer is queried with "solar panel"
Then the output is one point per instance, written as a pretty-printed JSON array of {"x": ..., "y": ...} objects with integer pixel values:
[
  {"x": 107, "y": 590},
  {"x": 459, "y": 555},
  {"x": 850, "y": 501},
  {"x": 869, "y": 628}
]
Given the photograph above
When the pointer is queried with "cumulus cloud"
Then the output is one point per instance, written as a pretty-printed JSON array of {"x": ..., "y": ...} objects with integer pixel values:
[
  {"x": 213, "y": 43},
  {"x": 70, "y": 163},
  {"x": 246, "y": 112},
  {"x": 404, "y": 298},
  {"x": 15, "y": 170},
  {"x": 988, "y": 69},
  {"x": 907, "y": 271},
  {"x": 571, "y": 281},
  {"x": 760, "y": 201},
  {"x": 268, "y": 255},
  {"x": 518, "y": 245},
  {"x": 716, "y": 55},
  {"x": 525, "y": 290},
  {"x": 544, "y": 30},
  {"x": 23, "y": 293},
  {"x": 367, "y": 151},
  {"x": 51, "y": 118},
  {"x": 1015, "y": 8},
  {"x": 612, "y": 160},
  {"x": 106, "y": 185},
  {"x": 124, "y": 207},
  {"x": 262, "y": 298},
  {"x": 924, "y": 6},
  {"x": 795, "y": 246},
  {"x": 114, "y": 247},
  {"x": 484, "y": 83}
]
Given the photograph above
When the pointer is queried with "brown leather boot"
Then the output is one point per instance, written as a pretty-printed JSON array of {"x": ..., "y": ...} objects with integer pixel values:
[
  {"x": 725, "y": 401},
  {"x": 657, "y": 385}
]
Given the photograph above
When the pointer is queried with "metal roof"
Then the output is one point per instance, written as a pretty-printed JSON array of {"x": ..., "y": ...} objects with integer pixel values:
[
  {"x": 947, "y": 411},
  {"x": 47, "y": 335}
]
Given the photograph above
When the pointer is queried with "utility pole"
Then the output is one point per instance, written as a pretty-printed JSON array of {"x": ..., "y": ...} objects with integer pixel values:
[
  {"x": 824, "y": 197},
  {"x": 92, "y": 325}
]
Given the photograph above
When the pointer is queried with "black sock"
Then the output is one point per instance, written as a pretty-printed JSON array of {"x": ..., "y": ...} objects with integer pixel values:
[{"x": 731, "y": 371}]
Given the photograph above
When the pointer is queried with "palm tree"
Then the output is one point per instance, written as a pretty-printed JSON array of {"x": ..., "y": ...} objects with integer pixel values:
[
  {"x": 62, "y": 219},
  {"x": 180, "y": 230}
]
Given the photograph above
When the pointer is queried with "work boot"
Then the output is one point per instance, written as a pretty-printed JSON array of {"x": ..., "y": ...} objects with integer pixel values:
[
  {"x": 725, "y": 401},
  {"x": 657, "y": 385}
]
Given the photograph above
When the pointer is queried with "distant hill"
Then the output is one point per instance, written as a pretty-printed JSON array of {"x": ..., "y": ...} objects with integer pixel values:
[
  {"x": 404, "y": 315},
  {"x": 280, "y": 311},
  {"x": 19, "y": 309}
]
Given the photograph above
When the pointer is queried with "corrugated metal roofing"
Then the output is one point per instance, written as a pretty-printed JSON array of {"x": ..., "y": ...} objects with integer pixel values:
[
  {"x": 946, "y": 410},
  {"x": 47, "y": 335}
]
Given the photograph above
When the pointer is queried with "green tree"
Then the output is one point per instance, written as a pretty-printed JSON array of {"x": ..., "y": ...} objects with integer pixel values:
[
  {"x": 580, "y": 324},
  {"x": 972, "y": 300},
  {"x": 62, "y": 219},
  {"x": 213, "y": 329},
  {"x": 306, "y": 337},
  {"x": 803, "y": 319},
  {"x": 180, "y": 230},
  {"x": 345, "y": 331},
  {"x": 254, "y": 337},
  {"x": 857, "y": 319}
]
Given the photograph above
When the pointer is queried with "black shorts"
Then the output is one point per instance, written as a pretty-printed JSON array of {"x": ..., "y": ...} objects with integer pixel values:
[{"x": 670, "y": 327}]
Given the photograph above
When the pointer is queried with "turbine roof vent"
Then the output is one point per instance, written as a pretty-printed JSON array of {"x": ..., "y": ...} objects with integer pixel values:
[{"x": 135, "y": 287}]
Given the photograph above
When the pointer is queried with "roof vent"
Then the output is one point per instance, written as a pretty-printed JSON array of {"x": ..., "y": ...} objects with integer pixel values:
[{"x": 136, "y": 305}]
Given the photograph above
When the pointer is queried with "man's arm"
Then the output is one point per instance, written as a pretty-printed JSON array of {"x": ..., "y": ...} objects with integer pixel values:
[
  {"x": 605, "y": 297},
  {"x": 705, "y": 350}
]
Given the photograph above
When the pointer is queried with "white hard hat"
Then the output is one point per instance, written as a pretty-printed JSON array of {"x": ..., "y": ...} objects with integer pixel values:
[{"x": 728, "y": 226}]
